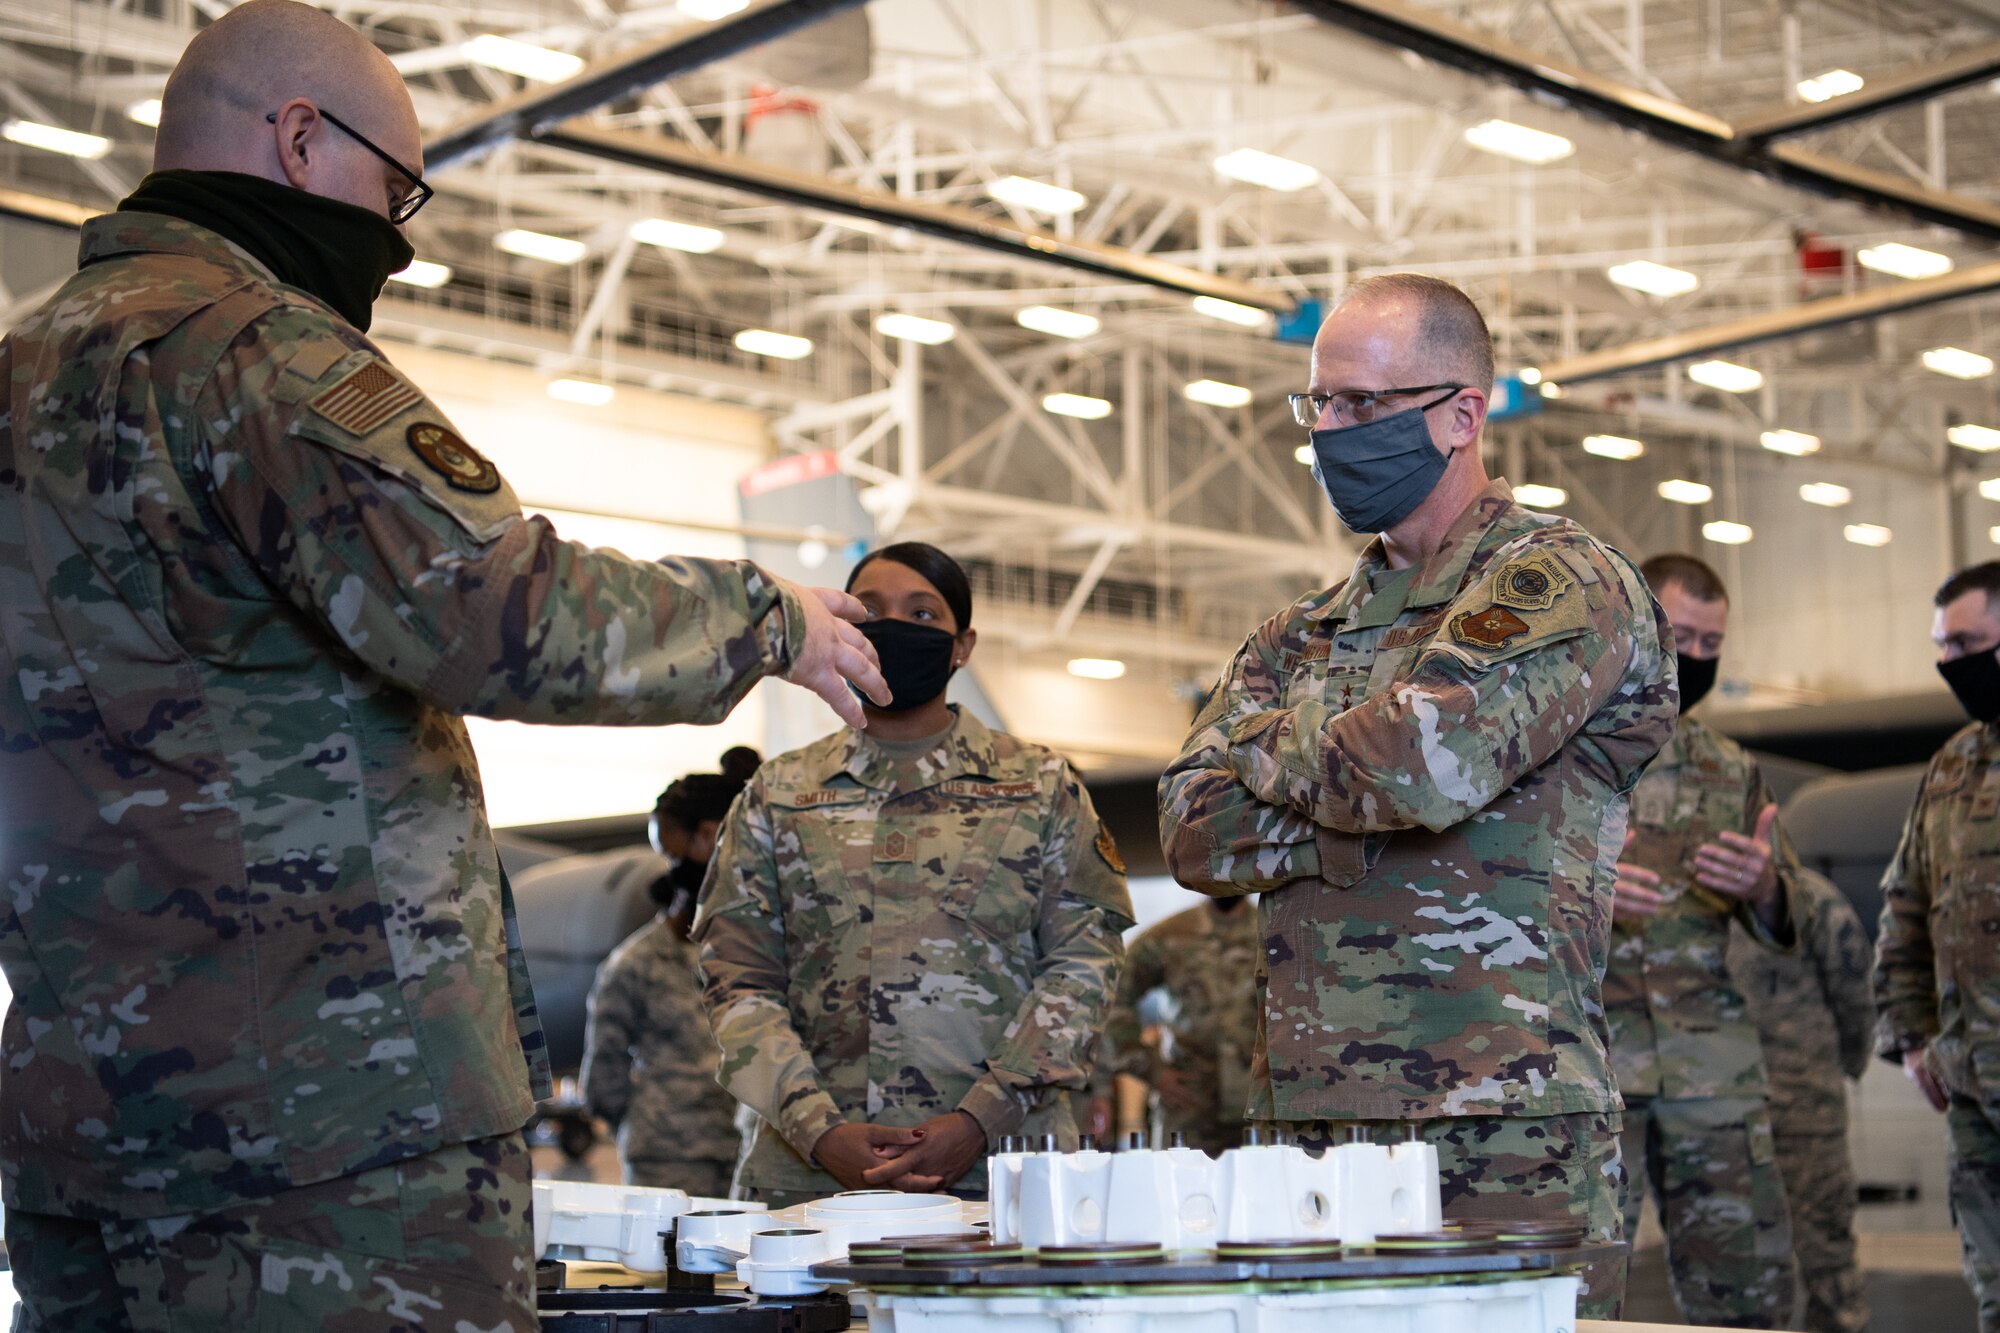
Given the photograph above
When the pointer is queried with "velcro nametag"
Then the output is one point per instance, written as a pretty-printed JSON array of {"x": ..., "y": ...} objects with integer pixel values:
[
  {"x": 969, "y": 787},
  {"x": 1318, "y": 650},
  {"x": 806, "y": 800}
]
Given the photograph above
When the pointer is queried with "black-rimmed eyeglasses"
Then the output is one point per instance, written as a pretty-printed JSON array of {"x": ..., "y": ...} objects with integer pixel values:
[
  {"x": 1355, "y": 407},
  {"x": 400, "y": 210}
]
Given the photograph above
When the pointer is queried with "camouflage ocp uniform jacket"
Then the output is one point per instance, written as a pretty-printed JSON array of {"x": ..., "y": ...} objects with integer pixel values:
[
  {"x": 890, "y": 938},
  {"x": 1812, "y": 1006},
  {"x": 1679, "y": 1026},
  {"x": 1937, "y": 973},
  {"x": 1425, "y": 770},
  {"x": 254, "y": 922}
]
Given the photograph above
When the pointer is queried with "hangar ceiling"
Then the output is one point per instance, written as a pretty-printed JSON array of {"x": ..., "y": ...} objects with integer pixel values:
[{"x": 1168, "y": 525}]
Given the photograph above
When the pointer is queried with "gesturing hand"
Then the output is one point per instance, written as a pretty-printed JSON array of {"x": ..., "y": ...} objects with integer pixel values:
[
  {"x": 1740, "y": 867},
  {"x": 835, "y": 653}
]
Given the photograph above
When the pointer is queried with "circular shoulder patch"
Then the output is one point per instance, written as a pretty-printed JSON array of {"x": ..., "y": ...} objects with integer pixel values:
[{"x": 453, "y": 459}]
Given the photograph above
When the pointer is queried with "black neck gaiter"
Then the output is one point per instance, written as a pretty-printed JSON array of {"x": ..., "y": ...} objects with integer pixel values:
[{"x": 335, "y": 251}]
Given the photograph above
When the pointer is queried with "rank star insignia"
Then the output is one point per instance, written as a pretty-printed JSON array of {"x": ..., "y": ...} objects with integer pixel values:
[
  {"x": 1490, "y": 628},
  {"x": 444, "y": 453},
  {"x": 1531, "y": 583}
]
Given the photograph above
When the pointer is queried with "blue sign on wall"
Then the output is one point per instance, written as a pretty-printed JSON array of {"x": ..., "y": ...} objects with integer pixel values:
[
  {"x": 1301, "y": 323},
  {"x": 1511, "y": 399}
]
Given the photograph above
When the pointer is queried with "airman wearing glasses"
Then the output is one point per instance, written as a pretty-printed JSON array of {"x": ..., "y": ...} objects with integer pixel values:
[
  {"x": 272, "y": 1044},
  {"x": 1423, "y": 771}
]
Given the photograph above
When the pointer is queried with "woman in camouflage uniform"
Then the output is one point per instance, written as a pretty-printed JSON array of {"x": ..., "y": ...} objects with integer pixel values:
[{"x": 909, "y": 933}]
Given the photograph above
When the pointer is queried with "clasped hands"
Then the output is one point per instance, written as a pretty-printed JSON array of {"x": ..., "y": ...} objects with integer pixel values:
[
  {"x": 1734, "y": 866},
  {"x": 932, "y": 1156}
]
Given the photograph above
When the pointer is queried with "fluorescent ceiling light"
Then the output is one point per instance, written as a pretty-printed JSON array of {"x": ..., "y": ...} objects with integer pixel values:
[
  {"x": 1957, "y": 363},
  {"x": 1643, "y": 275},
  {"x": 1249, "y": 316},
  {"x": 1794, "y": 442},
  {"x": 670, "y": 235},
  {"x": 1266, "y": 169},
  {"x": 1550, "y": 389},
  {"x": 1726, "y": 532},
  {"x": 1993, "y": 534},
  {"x": 914, "y": 328},
  {"x": 1529, "y": 375},
  {"x": 1519, "y": 142},
  {"x": 1540, "y": 497},
  {"x": 1096, "y": 668},
  {"x": 1834, "y": 83},
  {"x": 710, "y": 10},
  {"x": 1990, "y": 488},
  {"x": 1613, "y": 446},
  {"x": 1683, "y": 492},
  {"x": 1866, "y": 534},
  {"x": 55, "y": 139},
  {"x": 1217, "y": 394},
  {"x": 146, "y": 112},
  {"x": 1079, "y": 405},
  {"x": 1304, "y": 454},
  {"x": 423, "y": 273},
  {"x": 1726, "y": 376},
  {"x": 1904, "y": 261},
  {"x": 1825, "y": 494},
  {"x": 1060, "y": 323},
  {"x": 584, "y": 393},
  {"x": 523, "y": 58},
  {"x": 1036, "y": 196},
  {"x": 783, "y": 346},
  {"x": 1979, "y": 439},
  {"x": 539, "y": 245}
]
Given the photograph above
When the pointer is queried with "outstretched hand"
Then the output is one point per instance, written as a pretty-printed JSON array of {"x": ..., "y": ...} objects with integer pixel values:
[{"x": 835, "y": 653}]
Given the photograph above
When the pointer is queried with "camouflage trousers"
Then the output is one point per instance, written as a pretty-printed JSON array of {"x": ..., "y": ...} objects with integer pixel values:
[
  {"x": 1712, "y": 1165},
  {"x": 436, "y": 1244},
  {"x": 1516, "y": 1168},
  {"x": 702, "y": 1177},
  {"x": 1975, "y": 1201},
  {"x": 1820, "y": 1196}
]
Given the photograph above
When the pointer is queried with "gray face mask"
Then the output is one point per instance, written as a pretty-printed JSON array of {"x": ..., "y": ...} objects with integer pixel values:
[{"x": 1378, "y": 472}]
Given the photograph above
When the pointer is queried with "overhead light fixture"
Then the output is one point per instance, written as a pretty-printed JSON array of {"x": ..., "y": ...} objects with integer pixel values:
[
  {"x": 536, "y": 63},
  {"x": 1233, "y": 312},
  {"x": 1058, "y": 323},
  {"x": 671, "y": 235},
  {"x": 423, "y": 273},
  {"x": 1726, "y": 532},
  {"x": 1834, "y": 83},
  {"x": 540, "y": 245},
  {"x": 1643, "y": 275},
  {"x": 584, "y": 393},
  {"x": 1079, "y": 405},
  {"x": 55, "y": 139},
  {"x": 782, "y": 346},
  {"x": 1993, "y": 534},
  {"x": 1726, "y": 376},
  {"x": 1904, "y": 261},
  {"x": 1866, "y": 534},
  {"x": 914, "y": 328},
  {"x": 1266, "y": 169},
  {"x": 710, "y": 10},
  {"x": 1529, "y": 375},
  {"x": 1957, "y": 363},
  {"x": 1036, "y": 196},
  {"x": 1535, "y": 147},
  {"x": 1683, "y": 492},
  {"x": 1613, "y": 446},
  {"x": 1550, "y": 389},
  {"x": 1096, "y": 668},
  {"x": 1825, "y": 494},
  {"x": 1216, "y": 393},
  {"x": 1990, "y": 488},
  {"x": 1979, "y": 439},
  {"x": 1794, "y": 442},
  {"x": 1304, "y": 454},
  {"x": 1536, "y": 496},
  {"x": 145, "y": 112}
]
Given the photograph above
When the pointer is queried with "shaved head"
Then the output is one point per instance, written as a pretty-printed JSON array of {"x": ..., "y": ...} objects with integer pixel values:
[
  {"x": 255, "y": 61},
  {"x": 1443, "y": 329}
]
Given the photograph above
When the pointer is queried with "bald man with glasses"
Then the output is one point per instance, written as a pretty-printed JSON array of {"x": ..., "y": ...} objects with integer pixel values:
[{"x": 1423, "y": 772}]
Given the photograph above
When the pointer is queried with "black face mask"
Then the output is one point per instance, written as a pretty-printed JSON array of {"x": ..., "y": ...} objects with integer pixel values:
[
  {"x": 675, "y": 891},
  {"x": 1697, "y": 675},
  {"x": 1975, "y": 679},
  {"x": 335, "y": 251},
  {"x": 916, "y": 660},
  {"x": 1378, "y": 472}
]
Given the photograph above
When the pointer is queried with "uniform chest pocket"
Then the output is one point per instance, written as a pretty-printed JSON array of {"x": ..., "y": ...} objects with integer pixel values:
[
  {"x": 819, "y": 902},
  {"x": 995, "y": 884}
]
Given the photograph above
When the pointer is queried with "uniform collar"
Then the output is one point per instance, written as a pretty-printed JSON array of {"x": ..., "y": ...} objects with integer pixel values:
[
  {"x": 1442, "y": 574},
  {"x": 967, "y": 750},
  {"x": 111, "y": 235}
]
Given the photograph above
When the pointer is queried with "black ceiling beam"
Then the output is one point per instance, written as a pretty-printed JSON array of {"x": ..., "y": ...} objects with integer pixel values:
[
  {"x": 1435, "y": 38},
  {"x": 657, "y": 153},
  {"x": 1918, "y": 83},
  {"x": 623, "y": 76}
]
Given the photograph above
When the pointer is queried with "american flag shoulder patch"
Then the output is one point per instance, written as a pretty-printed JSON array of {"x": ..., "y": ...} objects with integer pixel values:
[{"x": 365, "y": 398}]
